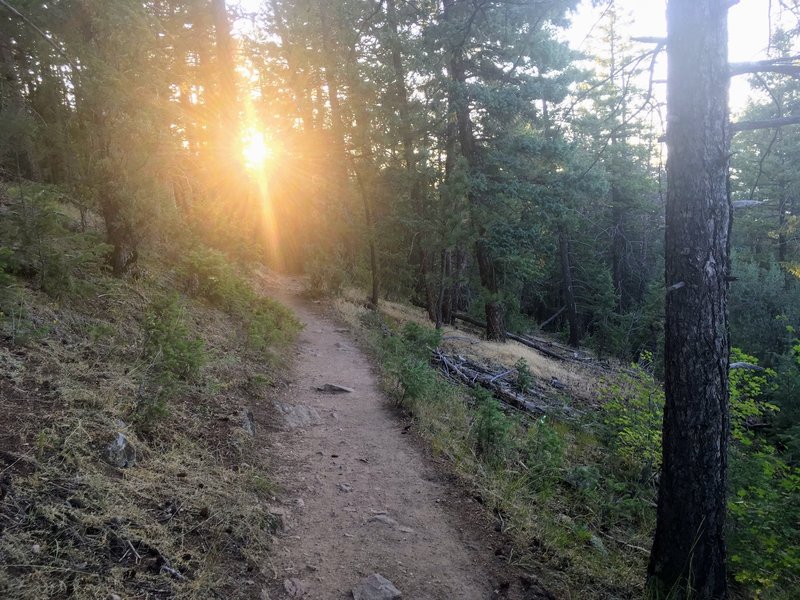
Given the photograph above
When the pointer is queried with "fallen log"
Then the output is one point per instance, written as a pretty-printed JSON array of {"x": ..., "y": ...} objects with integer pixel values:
[
  {"x": 513, "y": 336},
  {"x": 474, "y": 375}
]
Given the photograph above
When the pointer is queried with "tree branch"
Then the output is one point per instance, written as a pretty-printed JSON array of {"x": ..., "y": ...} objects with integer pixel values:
[
  {"x": 38, "y": 30},
  {"x": 766, "y": 124},
  {"x": 649, "y": 39},
  {"x": 786, "y": 66}
]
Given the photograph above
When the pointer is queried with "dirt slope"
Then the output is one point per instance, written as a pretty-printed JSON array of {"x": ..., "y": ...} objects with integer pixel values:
[{"x": 364, "y": 499}]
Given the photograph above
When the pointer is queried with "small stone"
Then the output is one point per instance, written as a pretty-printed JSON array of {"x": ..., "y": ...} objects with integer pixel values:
[
  {"x": 300, "y": 503},
  {"x": 121, "y": 452},
  {"x": 598, "y": 545},
  {"x": 36, "y": 549},
  {"x": 294, "y": 588},
  {"x": 376, "y": 587},
  {"x": 332, "y": 388},
  {"x": 281, "y": 517},
  {"x": 115, "y": 597},
  {"x": 345, "y": 487},
  {"x": 297, "y": 415},
  {"x": 383, "y": 519},
  {"x": 406, "y": 530},
  {"x": 248, "y": 423}
]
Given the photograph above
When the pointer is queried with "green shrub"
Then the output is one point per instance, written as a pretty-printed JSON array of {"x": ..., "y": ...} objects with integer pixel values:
[
  {"x": 175, "y": 359},
  {"x": 269, "y": 324},
  {"x": 524, "y": 377},
  {"x": 543, "y": 454},
  {"x": 207, "y": 273},
  {"x": 633, "y": 411},
  {"x": 420, "y": 340},
  {"x": 764, "y": 490},
  {"x": 266, "y": 323},
  {"x": 325, "y": 278},
  {"x": 764, "y": 523},
  {"x": 6, "y": 281},
  {"x": 46, "y": 247},
  {"x": 491, "y": 431},
  {"x": 175, "y": 354}
]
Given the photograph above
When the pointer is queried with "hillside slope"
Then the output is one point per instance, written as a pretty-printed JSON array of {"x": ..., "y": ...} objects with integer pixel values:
[{"x": 133, "y": 415}]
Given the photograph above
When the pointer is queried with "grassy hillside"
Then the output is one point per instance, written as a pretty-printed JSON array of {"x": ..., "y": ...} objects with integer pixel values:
[
  {"x": 173, "y": 365},
  {"x": 574, "y": 487}
]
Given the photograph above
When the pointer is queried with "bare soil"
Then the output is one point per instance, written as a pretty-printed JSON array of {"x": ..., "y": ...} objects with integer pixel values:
[{"x": 365, "y": 496}]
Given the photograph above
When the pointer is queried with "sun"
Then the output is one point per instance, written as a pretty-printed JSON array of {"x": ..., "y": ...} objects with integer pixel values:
[{"x": 255, "y": 150}]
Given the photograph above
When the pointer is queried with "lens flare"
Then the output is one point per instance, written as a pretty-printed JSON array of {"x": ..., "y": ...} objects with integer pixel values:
[{"x": 255, "y": 150}]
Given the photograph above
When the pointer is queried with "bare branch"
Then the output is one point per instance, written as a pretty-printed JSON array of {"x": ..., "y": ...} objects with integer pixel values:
[
  {"x": 786, "y": 66},
  {"x": 649, "y": 39},
  {"x": 766, "y": 124},
  {"x": 745, "y": 366},
  {"x": 746, "y": 203}
]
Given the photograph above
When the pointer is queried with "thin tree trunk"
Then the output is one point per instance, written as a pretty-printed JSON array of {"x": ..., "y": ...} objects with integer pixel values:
[
  {"x": 618, "y": 250},
  {"x": 782, "y": 241},
  {"x": 9, "y": 73},
  {"x": 226, "y": 94},
  {"x": 688, "y": 555},
  {"x": 567, "y": 288},
  {"x": 495, "y": 312}
]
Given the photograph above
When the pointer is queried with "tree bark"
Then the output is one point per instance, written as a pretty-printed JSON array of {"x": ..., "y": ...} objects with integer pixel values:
[
  {"x": 17, "y": 102},
  {"x": 495, "y": 312},
  {"x": 226, "y": 94},
  {"x": 688, "y": 554},
  {"x": 568, "y": 289},
  {"x": 459, "y": 103}
]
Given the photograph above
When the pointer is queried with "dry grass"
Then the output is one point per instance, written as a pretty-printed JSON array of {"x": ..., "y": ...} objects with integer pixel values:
[
  {"x": 192, "y": 518},
  {"x": 579, "y": 379}
]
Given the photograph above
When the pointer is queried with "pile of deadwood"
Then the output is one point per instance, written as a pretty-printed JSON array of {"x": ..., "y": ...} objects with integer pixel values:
[{"x": 503, "y": 384}]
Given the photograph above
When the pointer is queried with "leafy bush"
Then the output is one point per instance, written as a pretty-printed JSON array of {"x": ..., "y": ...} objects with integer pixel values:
[
  {"x": 633, "y": 413},
  {"x": 421, "y": 341},
  {"x": 207, "y": 274},
  {"x": 764, "y": 523},
  {"x": 269, "y": 324},
  {"x": 325, "y": 278},
  {"x": 407, "y": 359},
  {"x": 175, "y": 358},
  {"x": 6, "y": 280},
  {"x": 764, "y": 490}
]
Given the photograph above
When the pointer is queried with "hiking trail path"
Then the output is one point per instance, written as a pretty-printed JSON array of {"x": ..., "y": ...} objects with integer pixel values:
[{"x": 361, "y": 496}]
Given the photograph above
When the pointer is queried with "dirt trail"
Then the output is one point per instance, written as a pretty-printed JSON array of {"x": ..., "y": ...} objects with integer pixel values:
[{"x": 364, "y": 499}]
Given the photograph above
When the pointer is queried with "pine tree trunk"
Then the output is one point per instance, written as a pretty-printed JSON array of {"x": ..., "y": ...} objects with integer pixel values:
[
  {"x": 567, "y": 288},
  {"x": 688, "y": 555},
  {"x": 17, "y": 105},
  {"x": 495, "y": 313},
  {"x": 618, "y": 251},
  {"x": 226, "y": 69}
]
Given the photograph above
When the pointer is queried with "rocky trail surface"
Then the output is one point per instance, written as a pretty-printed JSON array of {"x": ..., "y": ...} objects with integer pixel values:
[{"x": 362, "y": 497}]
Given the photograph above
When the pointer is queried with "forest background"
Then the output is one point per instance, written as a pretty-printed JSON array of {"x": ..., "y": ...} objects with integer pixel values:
[{"x": 457, "y": 155}]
